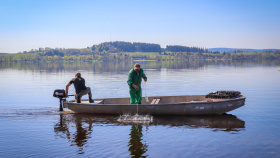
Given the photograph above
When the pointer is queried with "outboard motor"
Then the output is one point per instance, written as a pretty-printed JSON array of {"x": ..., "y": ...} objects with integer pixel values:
[{"x": 60, "y": 93}]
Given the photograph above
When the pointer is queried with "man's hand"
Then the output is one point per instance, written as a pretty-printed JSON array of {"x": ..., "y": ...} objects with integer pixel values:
[
  {"x": 66, "y": 94},
  {"x": 135, "y": 86},
  {"x": 145, "y": 79}
]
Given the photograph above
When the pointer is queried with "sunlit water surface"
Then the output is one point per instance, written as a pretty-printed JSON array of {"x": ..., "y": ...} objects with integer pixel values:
[{"x": 32, "y": 126}]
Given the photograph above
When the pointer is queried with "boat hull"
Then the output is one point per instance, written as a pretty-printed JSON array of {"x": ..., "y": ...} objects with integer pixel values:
[{"x": 216, "y": 106}]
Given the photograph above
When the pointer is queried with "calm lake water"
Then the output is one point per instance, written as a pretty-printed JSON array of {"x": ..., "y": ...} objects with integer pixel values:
[{"x": 32, "y": 126}]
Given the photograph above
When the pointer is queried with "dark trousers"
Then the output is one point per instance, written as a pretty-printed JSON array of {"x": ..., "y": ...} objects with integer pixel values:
[{"x": 83, "y": 92}]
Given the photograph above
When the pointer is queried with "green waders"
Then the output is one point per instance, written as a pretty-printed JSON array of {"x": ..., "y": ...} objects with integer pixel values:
[
  {"x": 135, "y": 95},
  {"x": 135, "y": 78}
]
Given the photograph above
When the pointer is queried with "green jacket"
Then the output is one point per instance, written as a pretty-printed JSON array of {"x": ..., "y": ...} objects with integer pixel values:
[{"x": 134, "y": 78}]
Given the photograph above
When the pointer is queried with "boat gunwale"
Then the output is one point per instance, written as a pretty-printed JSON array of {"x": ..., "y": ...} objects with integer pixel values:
[{"x": 242, "y": 97}]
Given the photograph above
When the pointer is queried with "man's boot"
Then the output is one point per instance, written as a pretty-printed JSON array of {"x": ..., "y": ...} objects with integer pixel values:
[
  {"x": 90, "y": 100},
  {"x": 79, "y": 99}
]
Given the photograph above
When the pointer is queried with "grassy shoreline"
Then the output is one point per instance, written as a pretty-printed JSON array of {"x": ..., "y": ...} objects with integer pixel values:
[{"x": 140, "y": 56}]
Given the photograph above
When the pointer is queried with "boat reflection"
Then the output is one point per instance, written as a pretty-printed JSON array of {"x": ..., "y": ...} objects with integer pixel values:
[
  {"x": 225, "y": 122},
  {"x": 84, "y": 123}
]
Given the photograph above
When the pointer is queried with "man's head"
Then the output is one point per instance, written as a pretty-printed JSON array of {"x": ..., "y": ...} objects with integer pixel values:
[
  {"x": 137, "y": 67},
  {"x": 78, "y": 74}
]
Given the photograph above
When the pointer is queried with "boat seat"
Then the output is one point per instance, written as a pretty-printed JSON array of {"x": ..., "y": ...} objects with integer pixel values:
[
  {"x": 99, "y": 101},
  {"x": 155, "y": 101},
  {"x": 95, "y": 101}
]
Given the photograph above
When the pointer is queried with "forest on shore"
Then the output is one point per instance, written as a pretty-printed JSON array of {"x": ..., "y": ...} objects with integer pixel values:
[{"x": 124, "y": 51}]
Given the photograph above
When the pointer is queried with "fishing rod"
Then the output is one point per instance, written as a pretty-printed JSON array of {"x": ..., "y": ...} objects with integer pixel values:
[{"x": 145, "y": 87}]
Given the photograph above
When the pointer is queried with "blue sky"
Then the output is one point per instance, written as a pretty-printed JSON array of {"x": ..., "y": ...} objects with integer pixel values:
[{"x": 30, "y": 24}]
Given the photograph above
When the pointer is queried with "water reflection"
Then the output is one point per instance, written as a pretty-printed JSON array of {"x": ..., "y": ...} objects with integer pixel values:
[
  {"x": 61, "y": 128},
  {"x": 136, "y": 147},
  {"x": 83, "y": 133},
  {"x": 125, "y": 66},
  {"x": 84, "y": 124},
  {"x": 228, "y": 123},
  {"x": 83, "y": 130}
]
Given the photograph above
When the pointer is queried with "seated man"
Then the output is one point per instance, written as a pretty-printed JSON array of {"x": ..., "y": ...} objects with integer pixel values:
[{"x": 81, "y": 89}]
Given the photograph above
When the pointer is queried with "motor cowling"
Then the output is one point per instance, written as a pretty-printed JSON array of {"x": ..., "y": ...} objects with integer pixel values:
[{"x": 59, "y": 93}]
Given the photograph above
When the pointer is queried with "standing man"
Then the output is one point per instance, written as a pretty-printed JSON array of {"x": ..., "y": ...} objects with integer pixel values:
[
  {"x": 80, "y": 87},
  {"x": 135, "y": 76}
]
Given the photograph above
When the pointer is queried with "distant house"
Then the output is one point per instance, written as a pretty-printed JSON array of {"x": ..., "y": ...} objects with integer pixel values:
[
  {"x": 41, "y": 49},
  {"x": 139, "y": 58},
  {"x": 47, "y": 48}
]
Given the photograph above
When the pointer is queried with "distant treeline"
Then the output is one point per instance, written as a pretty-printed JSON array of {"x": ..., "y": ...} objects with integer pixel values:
[
  {"x": 114, "y": 47},
  {"x": 126, "y": 47},
  {"x": 123, "y": 51},
  {"x": 185, "y": 49},
  {"x": 141, "y": 47}
]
